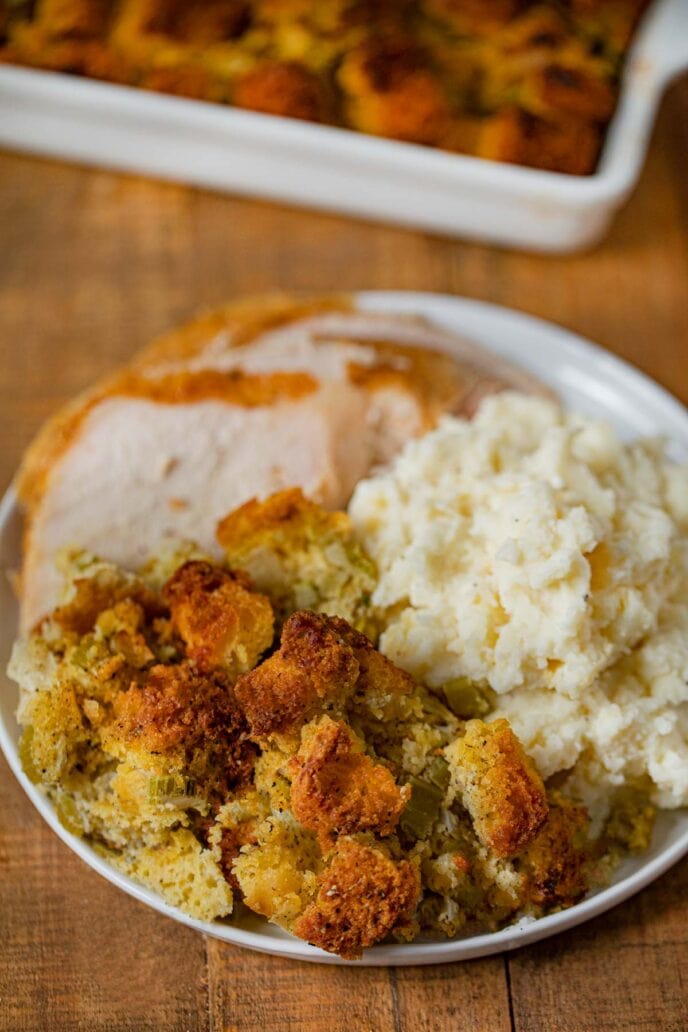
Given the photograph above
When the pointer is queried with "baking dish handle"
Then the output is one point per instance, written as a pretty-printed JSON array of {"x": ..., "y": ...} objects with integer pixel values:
[{"x": 662, "y": 51}]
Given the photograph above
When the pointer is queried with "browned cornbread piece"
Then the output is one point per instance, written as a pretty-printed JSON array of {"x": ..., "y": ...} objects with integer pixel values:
[
  {"x": 92, "y": 595},
  {"x": 363, "y": 896},
  {"x": 192, "y": 718},
  {"x": 124, "y": 626},
  {"x": 390, "y": 90},
  {"x": 76, "y": 19},
  {"x": 376, "y": 669},
  {"x": 197, "y": 21},
  {"x": 383, "y": 689},
  {"x": 557, "y": 859},
  {"x": 522, "y": 138},
  {"x": 283, "y": 520},
  {"x": 560, "y": 90},
  {"x": 222, "y": 622},
  {"x": 338, "y": 790},
  {"x": 499, "y": 786},
  {"x": 313, "y": 671},
  {"x": 183, "y": 81},
  {"x": 474, "y": 16},
  {"x": 282, "y": 88}
]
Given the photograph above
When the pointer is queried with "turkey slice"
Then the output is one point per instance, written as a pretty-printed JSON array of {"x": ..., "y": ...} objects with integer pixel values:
[{"x": 240, "y": 403}]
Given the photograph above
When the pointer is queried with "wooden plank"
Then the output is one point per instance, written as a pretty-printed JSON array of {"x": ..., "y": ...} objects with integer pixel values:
[
  {"x": 470, "y": 997},
  {"x": 252, "y": 992},
  {"x": 624, "y": 971}
]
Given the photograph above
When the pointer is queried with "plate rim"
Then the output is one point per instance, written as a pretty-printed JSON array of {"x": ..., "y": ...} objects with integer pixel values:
[{"x": 278, "y": 943}]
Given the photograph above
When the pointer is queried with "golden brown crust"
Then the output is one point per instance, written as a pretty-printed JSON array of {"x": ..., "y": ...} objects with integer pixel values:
[
  {"x": 390, "y": 91},
  {"x": 556, "y": 860},
  {"x": 377, "y": 673},
  {"x": 499, "y": 786},
  {"x": 571, "y": 91},
  {"x": 314, "y": 671},
  {"x": 76, "y": 19},
  {"x": 200, "y": 22},
  {"x": 522, "y": 138},
  {"x": 194, "y": 718},
  {"x": 363, "y": 896},
  {"x": 383, "y": 691},
  {"x": 282, "y": 88},
  {"x": 222, "y": 622},
  {"x": 181, "y": 81},
  {"x": 92, "y": 595},
  {"x": 289, "y": 511},
  {"x": 475, "y": 16},
  {"x": 338, "y": 790}
]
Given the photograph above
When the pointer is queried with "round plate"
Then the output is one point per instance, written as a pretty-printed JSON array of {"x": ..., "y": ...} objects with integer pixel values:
[{"x": 587, "y": 379}]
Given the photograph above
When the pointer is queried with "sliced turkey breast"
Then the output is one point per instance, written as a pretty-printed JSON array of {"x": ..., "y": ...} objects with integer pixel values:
[{"x": 240, "y": 403}]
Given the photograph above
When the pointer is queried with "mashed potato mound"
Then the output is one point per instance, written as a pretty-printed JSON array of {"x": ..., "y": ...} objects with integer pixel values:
[{"x": 534, "y": 552}]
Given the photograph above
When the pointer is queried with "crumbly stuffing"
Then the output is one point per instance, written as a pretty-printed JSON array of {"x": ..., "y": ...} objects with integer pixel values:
[
  {"x": 300, "y": 555},
  {"x": 362, "y": 895},
  {"x": 313, "y": 669},
  {"x": 527, "y": 81},
  {"x": 555, "y": 861},
  {"x": 222, "y": 622},
  {"x": 193, "y": 719},
  {"x": 498, "y": 785},
  {"x": 337, "y": 790},
  {"x": 307, "y": 776},
  {"x": 184, "y": 873},
  {"x": 277, "y": 875},
  {"x": 97, "y": 593}
]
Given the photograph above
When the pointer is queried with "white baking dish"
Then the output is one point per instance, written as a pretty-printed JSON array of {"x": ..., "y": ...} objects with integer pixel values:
[{"x": 322, "y": 167}]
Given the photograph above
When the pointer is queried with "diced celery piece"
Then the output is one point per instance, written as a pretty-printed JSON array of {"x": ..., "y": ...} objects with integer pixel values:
[
  {"x": 422, "y": 808},
  {"x": 171, "y": 788},
  {"x": 466, "y": 698},
  {"x": 437, "y": 773}
]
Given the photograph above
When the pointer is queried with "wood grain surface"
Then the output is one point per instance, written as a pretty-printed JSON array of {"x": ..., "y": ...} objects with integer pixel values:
[{"x": 91, "y": 266}]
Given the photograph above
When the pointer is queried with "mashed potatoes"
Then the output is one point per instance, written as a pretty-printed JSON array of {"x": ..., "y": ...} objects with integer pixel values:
[{"x": 533, "y": 552}]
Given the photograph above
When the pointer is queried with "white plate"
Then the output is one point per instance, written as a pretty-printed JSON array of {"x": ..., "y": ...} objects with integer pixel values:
[{"x": 586, "y": 378}]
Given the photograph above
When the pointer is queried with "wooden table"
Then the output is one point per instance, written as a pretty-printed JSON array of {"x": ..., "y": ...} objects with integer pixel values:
[{"x": 91, "y": 266}]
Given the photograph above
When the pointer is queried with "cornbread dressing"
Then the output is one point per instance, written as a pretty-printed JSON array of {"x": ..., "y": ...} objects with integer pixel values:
[{"x": 217, "y": 743}]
